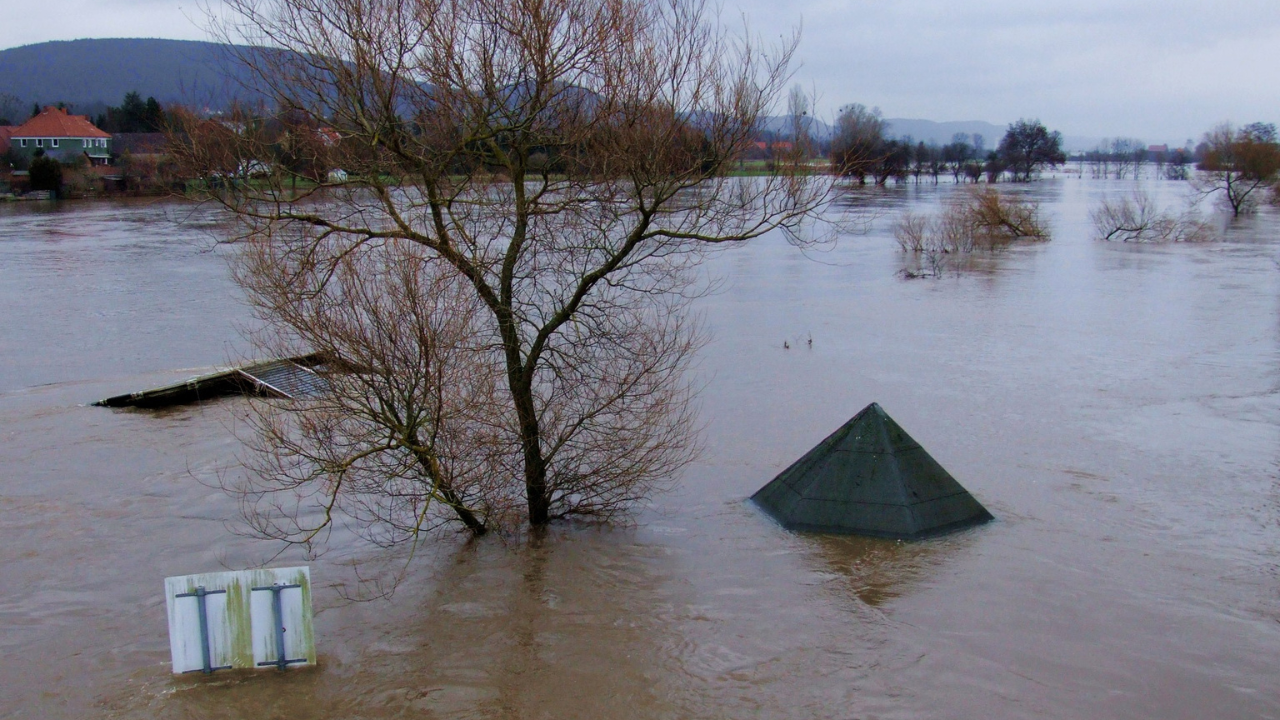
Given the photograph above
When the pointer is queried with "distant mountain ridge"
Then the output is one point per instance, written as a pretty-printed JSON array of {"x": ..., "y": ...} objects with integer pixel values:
[
  {"x": 90, "y": 74},
  {"x": 940, "y": 133},
  {"x": 781, "y": 126},
  {"x": 928, "y": 131}
]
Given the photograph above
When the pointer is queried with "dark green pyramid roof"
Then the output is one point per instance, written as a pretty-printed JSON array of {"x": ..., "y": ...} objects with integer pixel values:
[{"x": 870, "y": 478}]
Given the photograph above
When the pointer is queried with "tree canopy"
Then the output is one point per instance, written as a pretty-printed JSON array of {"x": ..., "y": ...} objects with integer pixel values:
[
  {"x": 134, "y": 115},
  {"x": 501, "y": 272},
  {"x": 857, "y": 148},
  {"x": 1238, "y": 162},
  {"x": 1028, "y": 146}
]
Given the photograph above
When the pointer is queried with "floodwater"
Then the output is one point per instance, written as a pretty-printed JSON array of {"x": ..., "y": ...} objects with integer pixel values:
[{"x": 1117, "y": 407}]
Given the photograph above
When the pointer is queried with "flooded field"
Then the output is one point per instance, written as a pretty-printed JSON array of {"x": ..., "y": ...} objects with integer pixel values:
[{"x": 1117, "y": 407}]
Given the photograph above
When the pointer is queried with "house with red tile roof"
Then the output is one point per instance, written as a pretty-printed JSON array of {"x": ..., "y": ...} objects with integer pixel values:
[{"x": 62, "y": 136}]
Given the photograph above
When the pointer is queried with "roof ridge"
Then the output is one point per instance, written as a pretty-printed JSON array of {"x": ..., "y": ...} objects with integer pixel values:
[
  {"x": 889, "y": 453},
  {"x": 58, "y": 123}
]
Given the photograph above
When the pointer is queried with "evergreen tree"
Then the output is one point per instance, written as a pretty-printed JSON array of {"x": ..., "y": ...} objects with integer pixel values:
[
  {"x": 153, "y": 116},
  {"x": 134, "y": 115},
  {"x": 46, "y": 173}
]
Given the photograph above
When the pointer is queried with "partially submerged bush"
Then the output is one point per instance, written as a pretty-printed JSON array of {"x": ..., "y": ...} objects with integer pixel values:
[
  {"x": 1137, "y": 218},
  {"x": 997, "y": 220},
  {"x": 979, "y": 219},
  {"x": 912, "y": 232}
]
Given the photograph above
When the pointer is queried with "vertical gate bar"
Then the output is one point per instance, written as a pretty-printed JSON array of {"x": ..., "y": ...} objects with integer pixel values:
[
  {"x": 278, "y": 611},
  {"x": 206, "y": 652},
  {"x": 204, "y": 630}
]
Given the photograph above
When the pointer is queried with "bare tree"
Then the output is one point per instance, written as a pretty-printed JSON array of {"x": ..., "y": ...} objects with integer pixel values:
[
  {"x": 1127, "y": 155},
  {"x": 857, "y": 149},
  {"x": 1137, "y": 218},
  {"x": 11, "y": 109},
  {"x": 410, "y": 430},
  {"x": 1160, "y": 156},
  {"x": 1179, "y": 159},
  {"x": 564, "y": 164},
  {"x": 1236, "y": 163},
  {"x": 1099, "y": 160}
]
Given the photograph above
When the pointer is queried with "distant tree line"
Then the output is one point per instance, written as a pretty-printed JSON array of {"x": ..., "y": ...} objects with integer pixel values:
[
  {"x": 861, "y": 151},
  {"x": 1122, "y": 158}
]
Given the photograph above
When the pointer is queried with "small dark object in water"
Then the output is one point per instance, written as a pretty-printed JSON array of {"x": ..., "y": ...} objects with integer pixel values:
[
  {"x": 870, "y": 478},
  {"x": 786, "y": 345},
  {"x": 288, "y": 378}
]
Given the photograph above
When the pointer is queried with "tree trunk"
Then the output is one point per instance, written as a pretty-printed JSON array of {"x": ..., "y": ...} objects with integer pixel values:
[
  {"x": 535, "y": 466},
  {"x": 520, "y": 382},
  {"x": 432, "y": 468}
]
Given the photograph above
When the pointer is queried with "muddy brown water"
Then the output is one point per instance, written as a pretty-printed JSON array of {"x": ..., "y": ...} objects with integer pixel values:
[{"x": 1116, "y": 407}]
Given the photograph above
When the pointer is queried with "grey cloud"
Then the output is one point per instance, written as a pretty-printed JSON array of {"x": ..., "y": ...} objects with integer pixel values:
[{"x": 1159, "y": 70}]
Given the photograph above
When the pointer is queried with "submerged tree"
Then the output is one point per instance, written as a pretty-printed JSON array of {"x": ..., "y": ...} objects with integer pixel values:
[
  {"x": 858, "y": 145},
  {"x": 1137, "y": 218},
  {"x": 956, "y": 154},
  {"x": 500, "y": 275},
  {"x": 1237, "y": 163},
  {"x": 1028, "y": 146}
]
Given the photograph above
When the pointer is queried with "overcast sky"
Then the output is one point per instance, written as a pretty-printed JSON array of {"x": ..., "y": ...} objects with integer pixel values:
[{"x": 1159, "y": 70}]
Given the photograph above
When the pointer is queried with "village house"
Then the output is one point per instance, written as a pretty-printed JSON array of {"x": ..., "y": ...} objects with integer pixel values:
[{"x": 61, "y": 136}]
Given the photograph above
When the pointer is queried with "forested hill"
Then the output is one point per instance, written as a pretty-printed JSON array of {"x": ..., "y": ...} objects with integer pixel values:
[{"x": 90, "y": 74}]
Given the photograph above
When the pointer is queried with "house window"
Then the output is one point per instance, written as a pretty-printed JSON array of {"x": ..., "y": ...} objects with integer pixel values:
[
  {"x": 23, "y": 141},
  {"x": 39, "y": 142},
  {"x": 55, "y": 142}
]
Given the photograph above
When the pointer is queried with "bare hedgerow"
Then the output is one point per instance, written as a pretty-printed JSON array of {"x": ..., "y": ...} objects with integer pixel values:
[
  {"x": 1137, "y": 218},
  {"x": 977, "y": 219}
]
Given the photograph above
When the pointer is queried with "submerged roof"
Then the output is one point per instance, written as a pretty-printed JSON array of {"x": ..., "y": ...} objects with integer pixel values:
[
  {"x": 870, "y": 478},
  {"x": 55, "y": 122},
  {"x": 290, "y": 378}
]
